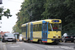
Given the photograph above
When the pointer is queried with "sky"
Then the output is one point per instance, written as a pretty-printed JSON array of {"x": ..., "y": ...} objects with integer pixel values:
[{"x": 14, "y": 6}]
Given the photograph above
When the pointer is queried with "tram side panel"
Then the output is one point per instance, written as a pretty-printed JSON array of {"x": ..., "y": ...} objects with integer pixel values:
[
  {"x": 37, "y": 35},
  {"x": 24, "y": 36},
  {"x": 35, "y": 32},
  {"x": 24, "y": 32}
]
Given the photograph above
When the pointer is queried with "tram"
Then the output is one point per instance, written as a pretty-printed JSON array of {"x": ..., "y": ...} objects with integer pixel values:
[{"x": 42, "y": 31}]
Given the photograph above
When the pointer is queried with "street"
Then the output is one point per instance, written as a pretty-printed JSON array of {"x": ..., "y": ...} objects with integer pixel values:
[{"x": 36, "y": 46}]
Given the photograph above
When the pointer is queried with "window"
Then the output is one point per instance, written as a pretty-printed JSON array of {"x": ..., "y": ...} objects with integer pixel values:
[
  {"x": 24, "y": 29},
  {"x": 45, "y": 27},
  {"x": 49, "y": 27},
  {"x": 56, "y": 27},
  {"x": 40, "y": 27},
  {"x": 37, "y": 27}
]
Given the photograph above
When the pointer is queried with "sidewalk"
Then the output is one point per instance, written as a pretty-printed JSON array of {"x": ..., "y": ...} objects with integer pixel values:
[{"x": 1, "y": 46}]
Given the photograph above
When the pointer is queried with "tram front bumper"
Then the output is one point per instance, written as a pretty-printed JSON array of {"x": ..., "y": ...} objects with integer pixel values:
[{"x": 55, "y": 40}]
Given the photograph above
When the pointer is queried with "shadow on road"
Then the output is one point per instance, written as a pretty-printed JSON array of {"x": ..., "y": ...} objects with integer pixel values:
[{"x": 45, "y": 43}]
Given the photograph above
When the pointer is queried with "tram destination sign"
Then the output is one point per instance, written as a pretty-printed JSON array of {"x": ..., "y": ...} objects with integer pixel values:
[{"x": 55, "y": 20}]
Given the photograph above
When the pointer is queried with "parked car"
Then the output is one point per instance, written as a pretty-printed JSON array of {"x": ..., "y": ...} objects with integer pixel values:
[
  {"x": 8, "y": 37},
  {"x": 68, "y": 37}
]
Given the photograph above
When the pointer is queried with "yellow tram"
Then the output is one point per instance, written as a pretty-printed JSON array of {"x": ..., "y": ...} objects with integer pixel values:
[{"x": 42, "y": 31}]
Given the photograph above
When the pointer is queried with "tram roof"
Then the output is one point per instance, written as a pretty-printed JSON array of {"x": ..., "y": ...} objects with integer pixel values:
[{"x": 39, "y": 21}]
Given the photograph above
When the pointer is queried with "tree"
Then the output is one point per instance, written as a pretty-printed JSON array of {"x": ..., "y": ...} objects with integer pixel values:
[
  {"x": 44, "y": 9},
  {"x": 5, "y": 13},
  {"x": 16, "y": 29}
]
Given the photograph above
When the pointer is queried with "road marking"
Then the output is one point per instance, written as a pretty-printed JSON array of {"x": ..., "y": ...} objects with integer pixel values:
[
  {"x": 4, "y": 47},
  {"x": 15, "y": 46},
  {"x": 34, "y": 47},
  {"x": 62, "y": 47},
  {"x": 20, "y": 42},
  {"x": 23, "y": 49},
  {"x": 37, "y": 49},
  {"x": 31, "y": 46}
]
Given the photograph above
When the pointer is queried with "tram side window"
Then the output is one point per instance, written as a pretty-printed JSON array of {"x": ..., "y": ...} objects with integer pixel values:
[
  {"x": 37, "y": 27},
  {"x": 40, "y": 27},
  {"x": 44, "y": 26},
  {"x": 49, "y": 27},
  {"x": 24, "y": 29}
]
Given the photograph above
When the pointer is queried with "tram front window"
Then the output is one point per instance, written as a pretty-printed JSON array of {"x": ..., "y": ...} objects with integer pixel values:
[{"x": 54, "y": 27}]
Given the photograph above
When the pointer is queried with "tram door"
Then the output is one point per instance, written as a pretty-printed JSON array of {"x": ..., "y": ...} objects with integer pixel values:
[{"x": 44, "y": 31}]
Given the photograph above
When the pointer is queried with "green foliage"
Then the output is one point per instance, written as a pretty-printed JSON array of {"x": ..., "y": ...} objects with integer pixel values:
[
  {"x": 32, "y": 10},
  {"x": 1, "y": 10},
  {"x": 16, "y": 29},
  {"x": 5, "y": 13}
]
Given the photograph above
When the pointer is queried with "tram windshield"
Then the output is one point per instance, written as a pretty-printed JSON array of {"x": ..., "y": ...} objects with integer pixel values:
[{"x": 54, "y": 27}]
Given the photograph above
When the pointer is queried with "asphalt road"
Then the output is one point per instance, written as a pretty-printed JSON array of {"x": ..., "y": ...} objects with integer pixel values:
[
  {"x": 36, "y": 46},
  {"x": 1, "y": 46}
]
